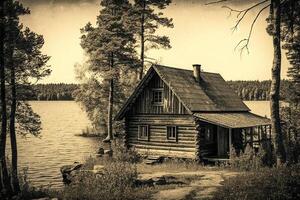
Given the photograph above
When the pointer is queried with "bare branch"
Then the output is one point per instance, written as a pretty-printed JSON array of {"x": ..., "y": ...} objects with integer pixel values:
[
  {"x": 215, "y": 2},
  {"x": 242, "y": 13},
  {"x": 247, "y": 40}
]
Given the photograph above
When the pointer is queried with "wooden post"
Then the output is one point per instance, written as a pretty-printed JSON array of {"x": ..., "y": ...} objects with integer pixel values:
[
  {"x": 197, "y": 141},
  {"x": 251, "y": 137},
  {"x": 259, "y": 133},
  {"x": 229, "y": 140},
  {"x": 218, "y": 139}
]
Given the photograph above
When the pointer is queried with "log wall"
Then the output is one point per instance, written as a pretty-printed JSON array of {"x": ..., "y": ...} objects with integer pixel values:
[{"x": 158, "y": 143}]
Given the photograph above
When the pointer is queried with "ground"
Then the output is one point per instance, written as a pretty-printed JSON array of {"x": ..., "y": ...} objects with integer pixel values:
[{"x": 200, "y": 182}]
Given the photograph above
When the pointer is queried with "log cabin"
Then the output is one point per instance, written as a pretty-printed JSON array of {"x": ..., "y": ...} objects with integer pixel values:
[{"x": 189, "y": 114}]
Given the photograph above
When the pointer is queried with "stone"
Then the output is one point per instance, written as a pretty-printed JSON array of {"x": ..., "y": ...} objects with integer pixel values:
[
  {"x": 98, "y": 169},
  {"x": 159, "y": 181},
  {"x": 101, "y": 151},
  {"x": 144, "y": 182},
  {"x": 108, "y": 152},
  {"x": 69, "y": 171},
  {"x": 107, "y": 140}
]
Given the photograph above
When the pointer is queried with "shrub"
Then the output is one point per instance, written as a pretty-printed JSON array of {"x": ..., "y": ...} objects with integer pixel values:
[
  {"x": 115, "y": 183},
  {"x": 267, "y": 183},
  {"x": 247, "y": 160},
  {"x": 291, "y": 128},
  {"x": 122, "y": 154}
]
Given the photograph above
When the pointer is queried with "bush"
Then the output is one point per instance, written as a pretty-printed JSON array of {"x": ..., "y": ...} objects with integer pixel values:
[
  {"x": 115, "y": 183},
  {"x": 122, "y": 154},
  {"x": 247, "y": 160},
  {"x": 267, "y": 183},
  {"x": 291, "y": 128}
]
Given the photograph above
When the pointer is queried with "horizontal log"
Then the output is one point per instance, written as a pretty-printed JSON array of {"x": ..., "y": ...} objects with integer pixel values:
[
  {"x": 162, "y": 143},
  {"x": 182, "y": 136},
  {"x": 167, "y": 153},
  {"x": 141, "y": 146}
]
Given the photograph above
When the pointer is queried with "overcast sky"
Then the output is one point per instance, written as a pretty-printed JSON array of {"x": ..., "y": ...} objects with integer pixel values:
[{"x": 202, "y": 34}]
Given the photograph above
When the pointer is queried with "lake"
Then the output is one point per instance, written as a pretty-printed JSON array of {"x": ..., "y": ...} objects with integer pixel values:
[{"x": 58, "y": 145}]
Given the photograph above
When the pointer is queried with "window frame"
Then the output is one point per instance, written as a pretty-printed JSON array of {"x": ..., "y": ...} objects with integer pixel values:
[
  {"x": 174, "y": 136},
  {"x": 154, "y": 91},
  {"x": 143, "y": 137}
]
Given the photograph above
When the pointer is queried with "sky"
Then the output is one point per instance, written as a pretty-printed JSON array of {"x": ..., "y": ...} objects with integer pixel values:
[{"x": 201, "y": 35}]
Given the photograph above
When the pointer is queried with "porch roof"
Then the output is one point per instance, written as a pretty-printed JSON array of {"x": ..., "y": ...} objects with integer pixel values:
[{"x": 234, "y": 119}]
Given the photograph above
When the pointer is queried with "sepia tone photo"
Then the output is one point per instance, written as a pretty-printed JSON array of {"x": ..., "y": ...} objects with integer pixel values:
[{"x": 150, "y": 99}]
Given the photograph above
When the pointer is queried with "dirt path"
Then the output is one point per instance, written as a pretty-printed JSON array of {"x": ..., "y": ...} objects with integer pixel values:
[{"x": 205, "y": 183}]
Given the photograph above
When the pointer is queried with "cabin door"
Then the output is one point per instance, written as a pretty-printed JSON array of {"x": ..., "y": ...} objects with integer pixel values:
[{"x": 223, "y": 146}]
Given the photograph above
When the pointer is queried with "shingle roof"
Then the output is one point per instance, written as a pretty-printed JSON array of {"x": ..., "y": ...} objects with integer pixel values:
[
  {"x": 212, "y": 94},
  {"x": 234, "y": 119}
]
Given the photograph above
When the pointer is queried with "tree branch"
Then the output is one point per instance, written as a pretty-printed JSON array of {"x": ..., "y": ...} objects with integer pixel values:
[
  {"x": 215, "y": 2},
  {"x": 242, "y": 13},
  {"x": 247, "y": 40}
]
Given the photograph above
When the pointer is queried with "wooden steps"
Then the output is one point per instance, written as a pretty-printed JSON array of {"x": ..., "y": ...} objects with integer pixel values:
[{"x": 153, "y": 159}]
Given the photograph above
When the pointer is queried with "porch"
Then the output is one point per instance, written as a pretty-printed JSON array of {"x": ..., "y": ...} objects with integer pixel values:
[{"x": 220, "y": 131}]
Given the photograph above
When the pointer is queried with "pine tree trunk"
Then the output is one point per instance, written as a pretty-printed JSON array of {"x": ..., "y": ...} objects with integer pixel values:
[
  {"x": 275, "y": 83},
  {"x": 5, "y": 183},
  {"x": 110, "y": 103},
  {"x": 13, "y": 140},
  {"x": 142, "y": 41}
]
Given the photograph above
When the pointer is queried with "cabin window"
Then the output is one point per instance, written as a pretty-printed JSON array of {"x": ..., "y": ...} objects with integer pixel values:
[
  {"x": 143, "y": 132},
  {"x": 172, "y": 133},
  {"x": 157, "y": 96}
]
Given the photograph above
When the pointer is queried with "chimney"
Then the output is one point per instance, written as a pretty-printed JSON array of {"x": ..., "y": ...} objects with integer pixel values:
[{"x": 197, "y": 71}]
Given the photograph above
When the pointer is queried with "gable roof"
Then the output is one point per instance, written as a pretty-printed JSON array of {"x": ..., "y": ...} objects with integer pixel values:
[{"x": 212, "y": 94}]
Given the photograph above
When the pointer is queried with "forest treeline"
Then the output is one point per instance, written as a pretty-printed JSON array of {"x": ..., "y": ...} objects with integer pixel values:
[
  {"x": 257, "y": 90},
  {"x": 246, "y": 90},
  {"x": 53, "y": 91}
]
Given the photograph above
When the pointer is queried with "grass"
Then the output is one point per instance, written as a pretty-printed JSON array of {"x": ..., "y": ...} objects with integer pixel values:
[
  {"x": 265, "y": 183},
  {"x": 123, "y": 168},
  {"x": 90, "y": 132},
  {"x": 173, "y": 165}
]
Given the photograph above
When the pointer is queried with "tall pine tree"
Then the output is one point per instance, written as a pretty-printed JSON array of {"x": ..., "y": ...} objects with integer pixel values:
[{"x": 147, "y": 23}]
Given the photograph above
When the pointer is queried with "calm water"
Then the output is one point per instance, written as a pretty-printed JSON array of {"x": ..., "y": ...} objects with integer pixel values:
[
  {"x": 59, "y": 146},
  {"x": 261, "y": 108}
]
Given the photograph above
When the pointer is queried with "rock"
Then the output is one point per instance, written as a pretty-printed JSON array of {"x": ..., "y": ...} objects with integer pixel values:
[
  {"x": 159, "y": 181},
  {"x": 100, "y": 151},
  {"x": 69, "y": 168},
  {"x": 99, "y": 155},
  {"x": 144, "y": 182},
  {"x": 106, "y": 140},
  {"x": 108, "y": 152},
  {"x": 69, "y": 171},
  {"x": 98, "y": 169}
]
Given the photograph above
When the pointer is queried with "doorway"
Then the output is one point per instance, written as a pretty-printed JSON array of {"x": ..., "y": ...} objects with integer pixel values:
[{"x": 223, "y": 142}]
